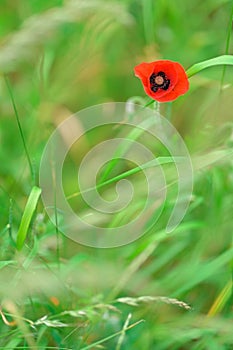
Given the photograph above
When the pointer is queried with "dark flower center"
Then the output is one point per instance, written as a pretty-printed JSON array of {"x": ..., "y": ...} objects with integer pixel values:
[{"x": 159, "y": 81}]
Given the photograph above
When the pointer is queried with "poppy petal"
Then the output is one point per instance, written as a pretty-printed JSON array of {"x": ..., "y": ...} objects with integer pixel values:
[
  {"x": 176, "y": 78},
  {"x": 171, "y": 96},
  {"x": 143, "y": 71},
  {"x": 182, "y": 85},
  {"x": 180, "y": 88}
]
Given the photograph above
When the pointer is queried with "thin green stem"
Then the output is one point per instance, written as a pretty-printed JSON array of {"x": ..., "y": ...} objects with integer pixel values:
[
  {"x": 55, "y": 213},
  {"x": 122, "y": 336},
  {"x": 169, "y": 111},
  {"x": 10, "y": 222},
  {"x": 20, "y": 129},
  {"x": 228, "y": 39},
  {"x": 112, "y": 336},
  {"x": 157, "y": 106}
]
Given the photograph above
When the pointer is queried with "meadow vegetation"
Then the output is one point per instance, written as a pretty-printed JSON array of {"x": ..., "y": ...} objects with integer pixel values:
[{"x": 163, "y": 291}]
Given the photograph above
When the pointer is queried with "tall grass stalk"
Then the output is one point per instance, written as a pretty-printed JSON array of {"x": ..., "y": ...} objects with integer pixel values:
[{"x": 20, "y": 129}]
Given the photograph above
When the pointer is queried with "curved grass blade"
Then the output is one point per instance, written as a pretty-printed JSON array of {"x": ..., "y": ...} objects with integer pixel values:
[
  {"x": 216, "y": 61},
  {"x": 27, "y": 216},
  {"x": 221, "y": 300},
  {"x": 154, "y": 162}
]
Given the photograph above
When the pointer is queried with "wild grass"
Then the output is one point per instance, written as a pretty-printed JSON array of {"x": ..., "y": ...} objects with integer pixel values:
[{"x": 162, "y": 291}]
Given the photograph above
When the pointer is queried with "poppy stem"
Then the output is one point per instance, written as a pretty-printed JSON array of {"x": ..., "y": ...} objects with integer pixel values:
[
  {"x": 169, "y": 111},
  {"x": 157, "y": 106}
]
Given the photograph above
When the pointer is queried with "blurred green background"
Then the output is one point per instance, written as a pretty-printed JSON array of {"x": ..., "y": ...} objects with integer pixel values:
[{"x": 58, "y": 58}]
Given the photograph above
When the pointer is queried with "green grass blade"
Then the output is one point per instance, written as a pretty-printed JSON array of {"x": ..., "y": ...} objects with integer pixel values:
[
  {"x": 199, "y": 162},
  {"x": 27, "y": 216},
  {"x": 216, "y": 61},
  {"x": 228, "y": 39},
  {"x": 221, "y": 300},
  {"x": 153, "y": 163},
  {"x": 20, "y": 128},
  {"x": 91, "y": 346}
]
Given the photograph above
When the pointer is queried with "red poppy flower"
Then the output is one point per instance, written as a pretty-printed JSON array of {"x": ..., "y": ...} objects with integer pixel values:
[{"x": 163, "y": 80}]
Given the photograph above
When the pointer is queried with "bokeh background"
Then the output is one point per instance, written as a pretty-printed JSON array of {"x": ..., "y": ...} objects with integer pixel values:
[{"x": 56, "y": 58}]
